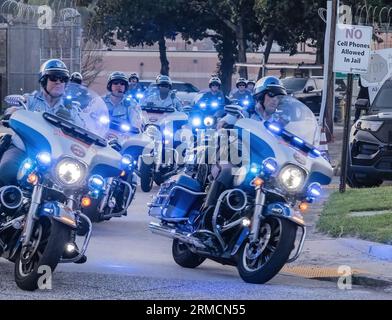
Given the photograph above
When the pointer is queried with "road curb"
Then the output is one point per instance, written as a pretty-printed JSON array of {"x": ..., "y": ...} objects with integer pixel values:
[{"x": 364, "y": 280}]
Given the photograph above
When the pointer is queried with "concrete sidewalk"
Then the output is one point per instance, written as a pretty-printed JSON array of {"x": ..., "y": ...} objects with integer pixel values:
[{"x": 370, "y": 263}]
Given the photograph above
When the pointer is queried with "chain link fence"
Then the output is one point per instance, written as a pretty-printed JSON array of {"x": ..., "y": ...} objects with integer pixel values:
[{"x": 31, "y": 34}]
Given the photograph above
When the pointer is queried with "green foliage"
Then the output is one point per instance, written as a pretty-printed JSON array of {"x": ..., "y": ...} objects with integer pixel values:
[{"x": 336, "y": 220}]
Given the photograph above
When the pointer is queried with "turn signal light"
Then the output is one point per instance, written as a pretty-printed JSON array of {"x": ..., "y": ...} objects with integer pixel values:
[
  {"x": 257, "y": 182},
  {"x": 32, "y": 179},
  {"x": 86, "y": 202},
  {"x": 303, "y": 206},
  {"x": 122, "y": 174}
]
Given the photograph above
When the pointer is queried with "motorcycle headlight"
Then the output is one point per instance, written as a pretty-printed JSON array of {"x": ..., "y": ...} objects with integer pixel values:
[
  {"x": 292, "y": 178},
  {"x": 44, "y": 159},
  {"x": 203, "y": 105},
  {"x": 127, "y": 162},
  {"x": 245, "y": 102},
  {"x": 167, "y": 133},
  {"x": 96, "y": 182},
  {"x": 208, "y": 121},
  {"x": 139, "y": 95},
  {"x": 214, "y": 104},
  {"x": 70, "y": 172},
  {"x": 104, "y": 119},
  {"x": 125, "y": 127},
  {"x": 196, "y": 122},
  {"x": 270, "y": 166}
]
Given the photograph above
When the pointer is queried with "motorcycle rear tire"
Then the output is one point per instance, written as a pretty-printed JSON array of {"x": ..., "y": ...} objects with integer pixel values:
[{"x": 184, "y": 257}]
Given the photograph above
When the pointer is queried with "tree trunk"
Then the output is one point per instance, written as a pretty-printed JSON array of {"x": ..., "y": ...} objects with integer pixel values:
[
  {"x": 267, "y": 51},
  {"x": 163, "y": 56},
  {"x": 243, "y": 71},
  {"x": 227, "y": 56},
  {"x": 320, "y": 49}
]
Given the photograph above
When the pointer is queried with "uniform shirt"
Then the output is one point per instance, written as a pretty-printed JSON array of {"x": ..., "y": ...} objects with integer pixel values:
[
  {"x": 209, "y": 96},
  {"x": 170, "y": 101},
  {"x": 275, "y": 117},
  {"x": 127, "y": 110},
  {"x": 36, "y": 102},
  {"x": 241, "y": 95}
]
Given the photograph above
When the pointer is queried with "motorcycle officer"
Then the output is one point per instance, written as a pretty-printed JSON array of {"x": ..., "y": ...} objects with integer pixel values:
[
  {"x": 164, "y": 97},
  {"x": 214, "y": 92},
  {"x": 120, "y": 106},
  {"x": 53, "y": 77},
  {"x": 77, "y": 90},
  {"x": 266, "y": 94},
  {"x": 242, "y": 95},
  {"x": 135, "y": 89},
  {"x": 76, "y": 77},
  {"x": 250, "y": 85}
]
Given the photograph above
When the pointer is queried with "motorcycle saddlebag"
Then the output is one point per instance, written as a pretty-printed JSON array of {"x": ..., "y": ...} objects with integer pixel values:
[{"x": 181, "y": 201}]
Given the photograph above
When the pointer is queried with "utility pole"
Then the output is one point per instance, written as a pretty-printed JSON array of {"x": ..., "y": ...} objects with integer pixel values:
[{"x": 328, "y": 115}]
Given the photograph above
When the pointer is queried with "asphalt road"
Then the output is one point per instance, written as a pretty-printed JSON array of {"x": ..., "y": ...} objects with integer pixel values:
[{"x": 126, "y": 261}]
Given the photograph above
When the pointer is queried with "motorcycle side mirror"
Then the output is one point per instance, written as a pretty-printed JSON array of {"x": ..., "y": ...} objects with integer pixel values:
[
  {"x": 235, "y": 101},
  {"x": 187, "y": 108},
  {"x": 309, "y": 89},
  {"x": 15, "y": 100},
  {"x": 114, "y": 144},
  {"x": 362, "y": 104},
  {"x": 234, "y": 109},
  {"x": 173, "y": 94}
]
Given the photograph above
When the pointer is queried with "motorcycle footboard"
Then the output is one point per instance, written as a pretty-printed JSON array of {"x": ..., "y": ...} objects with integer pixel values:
[{"x": 86, "y": 241}]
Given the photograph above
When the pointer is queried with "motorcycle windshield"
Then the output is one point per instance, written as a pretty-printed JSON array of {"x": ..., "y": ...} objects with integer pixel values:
[
  {"x": 152, "y": 103},
  {"x": 298, "y": 119},
  {"x": 92, "y": 108}
]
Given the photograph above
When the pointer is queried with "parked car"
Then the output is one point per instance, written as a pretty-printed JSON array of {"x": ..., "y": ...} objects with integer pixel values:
[
  {"x": 309, "y": 91},
  {"x": 297, "y": 85},
  {"x": 185, "y": 91},
  {"x": 370, "y": 147}
]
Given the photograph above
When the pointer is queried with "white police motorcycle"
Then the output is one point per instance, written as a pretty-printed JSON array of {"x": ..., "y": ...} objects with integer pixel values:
[
  {"x": 119, "y": 191},
  {"x": 159, "y": 160},
  {"x": 254, "y": 225},
  {"x": 41, "y": 223}
]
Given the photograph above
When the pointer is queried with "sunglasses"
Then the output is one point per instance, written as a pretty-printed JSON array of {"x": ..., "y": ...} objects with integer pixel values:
[
  {"x": 118, "y": 82},
  {"x": 242, "y": 85},
  {"x": 272, "y": 94},
  {"x": 54, "y": 78}
]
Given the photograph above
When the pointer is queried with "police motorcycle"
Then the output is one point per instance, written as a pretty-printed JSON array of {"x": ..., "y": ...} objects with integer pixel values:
[
  {"x": 41, "y": 219},
  {"x": 210, "y": 106},
  {"x": 257, "y": 224},
  {"x": 118, "y": 190},
  {"x": 161, "y": 126}
]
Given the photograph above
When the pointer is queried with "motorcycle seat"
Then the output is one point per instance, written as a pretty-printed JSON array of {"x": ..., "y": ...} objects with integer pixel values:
[{"x": 189, "y": 183}]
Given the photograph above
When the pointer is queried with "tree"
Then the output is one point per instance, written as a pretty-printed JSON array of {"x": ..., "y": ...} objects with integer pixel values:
[
  {"x": 285, "y": 22},
  {"x": 140, "y": 22}
]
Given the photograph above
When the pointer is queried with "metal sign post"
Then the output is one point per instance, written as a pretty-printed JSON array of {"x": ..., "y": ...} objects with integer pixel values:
[
  {"x": 352, "y": 51},
  {"x": 346, "y": 131}
]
